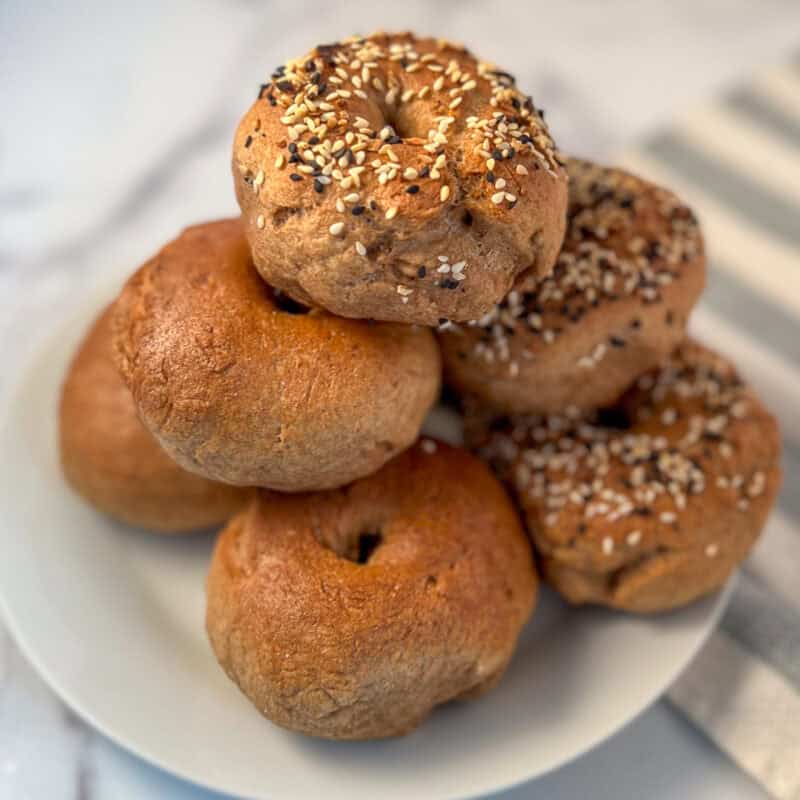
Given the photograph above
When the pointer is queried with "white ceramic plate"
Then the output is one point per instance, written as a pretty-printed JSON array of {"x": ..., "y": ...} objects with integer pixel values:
[{"x": 113, "y": 619}]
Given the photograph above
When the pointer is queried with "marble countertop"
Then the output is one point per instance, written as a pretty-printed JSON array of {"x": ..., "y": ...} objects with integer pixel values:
[{"x": 116, "y": 123}]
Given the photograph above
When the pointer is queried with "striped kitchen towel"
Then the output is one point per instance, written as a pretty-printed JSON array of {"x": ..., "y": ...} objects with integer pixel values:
[{"x": 737, "y": 162}]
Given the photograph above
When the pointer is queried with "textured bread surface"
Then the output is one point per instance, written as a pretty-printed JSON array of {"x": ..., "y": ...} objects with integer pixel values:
[
  {"x": 650, "y": 504},
  {"x": 241, "y": 387},
  {"x": 351, "y": 614},
  {"x": 111, "y": 460},
  {"x": 397, "y": 178},
  {"x": 631, "y": 269}
]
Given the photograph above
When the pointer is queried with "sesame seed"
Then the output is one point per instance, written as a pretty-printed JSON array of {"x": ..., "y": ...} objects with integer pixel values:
[
  {"x": 498, "y": 198},
  {"x": 391, "y": 213},
  {"x": 633, "y": 538},
  {"x": 521, "y": 170},
  {"x": 608, "y": 546},
  {"x": 260, "y": 221},
  {"x": 337, "y": 229},
  {"x": 326, "y": 138},
  {"x": 712, "y": 550},
  {"x": 360, "y": 249}
]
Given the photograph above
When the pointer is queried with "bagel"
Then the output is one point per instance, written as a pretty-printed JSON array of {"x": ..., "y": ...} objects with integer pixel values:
[
  {"x": 350, "y": 614},
  {"x": 631, "y": 269},
  {"x": 397, "y": 178},
  {"x": 650, "y": 504},
  {"x": 109, "y": 458},
  {"x": 241, "y": 387}
]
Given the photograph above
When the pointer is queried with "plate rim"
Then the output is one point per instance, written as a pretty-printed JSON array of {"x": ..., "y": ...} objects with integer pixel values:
[
  {"x": 151, "y": 759},
  {"x": 10, "y": 397}
]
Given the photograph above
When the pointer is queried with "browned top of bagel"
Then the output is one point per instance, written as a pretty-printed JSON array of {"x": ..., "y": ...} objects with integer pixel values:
[
  {"x": 372, "y": 151},
  {"x": 240, "y": 388},
  {"x": 428, "y": 609}
]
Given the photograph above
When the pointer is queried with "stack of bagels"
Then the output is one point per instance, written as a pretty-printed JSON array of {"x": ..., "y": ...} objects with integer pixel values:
[{"x": 406, "y": 215}]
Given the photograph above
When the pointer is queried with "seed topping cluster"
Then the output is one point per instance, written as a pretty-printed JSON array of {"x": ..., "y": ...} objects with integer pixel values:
[
  {"x": 608, "y": 254},
  {"x": 405, "y": 113},
  {"x": 605, "y": 467}
]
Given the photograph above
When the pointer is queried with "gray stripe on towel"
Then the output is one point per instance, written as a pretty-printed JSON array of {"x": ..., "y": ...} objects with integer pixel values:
[
  {"x": 752, "y": 200},
  {"x": 761, "y": 110},
  {"x": 789, "y": 498},
  {"x": 764, "y": 321},
  {"x": 762, "y": 622}
]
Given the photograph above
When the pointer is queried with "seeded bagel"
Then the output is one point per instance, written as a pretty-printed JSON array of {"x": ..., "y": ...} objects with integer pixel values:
[
  {"x": 631, "y": 269},
  {"x": 351, "y": 614},
  {"x": 241, "y": 386},
  {"x": 397, "y": 178},
  {"x": 110, "y": 459},
  {"x": 650, "y": 504}
]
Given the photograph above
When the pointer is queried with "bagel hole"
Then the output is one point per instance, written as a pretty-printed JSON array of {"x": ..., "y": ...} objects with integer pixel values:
[
  {"x": 285, "y": 303},
  {"x": 366, "y": 544},
  {"x": 614, "y": 417},
  {"x": 397, "y": 121},
  {"x": 356, "y": 544}
]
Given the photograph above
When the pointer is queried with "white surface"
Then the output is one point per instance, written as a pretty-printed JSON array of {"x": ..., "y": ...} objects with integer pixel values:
[
  {"x": 114, "y": 128},
  {"x": 113, "y": 619}
]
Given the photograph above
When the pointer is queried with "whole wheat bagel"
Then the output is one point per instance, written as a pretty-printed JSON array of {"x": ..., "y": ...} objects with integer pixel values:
[
  {"x": 397, "y": 178},
  {"x": 650, "y": 504},
  {"x": 242, "y": 387},
  {"x": 351, "y": 614},
  {"x": 631, "y": 269},
  {"x": 110, "y": 459}
]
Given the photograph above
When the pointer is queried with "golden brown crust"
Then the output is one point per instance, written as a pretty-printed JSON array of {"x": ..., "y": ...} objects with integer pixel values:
[
  {"x": 365, "y": 161},
  {"x": 630, "y": 271},
  {"x": 331, "y": 647},
  {"x": 110, "y": 459},
  {"x": 239, "y": 390},
  {"x": 647, "y": 517}
]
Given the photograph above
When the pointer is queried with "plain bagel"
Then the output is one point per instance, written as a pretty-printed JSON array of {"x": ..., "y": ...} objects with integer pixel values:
[
  {"x": 351, "y": 614},
  {"x": 241, "y": 386},
  {"x": 112, "y": 461}
]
